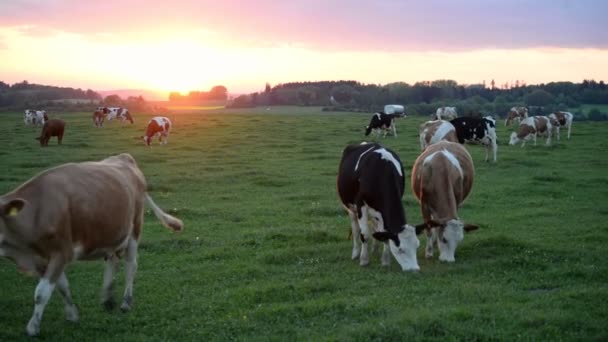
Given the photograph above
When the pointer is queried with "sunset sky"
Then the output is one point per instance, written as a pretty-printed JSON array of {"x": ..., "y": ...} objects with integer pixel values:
[{"x": 196, "y": 44}]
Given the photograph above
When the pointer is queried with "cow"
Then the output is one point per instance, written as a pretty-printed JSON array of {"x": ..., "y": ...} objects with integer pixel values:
[
  {"x": 159, "y": 126},
  {"x": 52, "y": 128},
  {"x": 383, "y": 121},
  {"x": 481, "y": 130},
  {"x": 530, "y": 128},
  {"x": 98, "y": 118},
  {"x": 116, "y": 113},
  {"x": 445, "y": 113},
  {"x": 442, "y": 178},
  {"x": 77, "y": 211},
  {"x": 432, "y": 132},
  {"x": 516, "y": 114},
  {"x": 35, "y": 118},
  {"x": 562, "y": 119},
  {"x": 370, "y": 186}
]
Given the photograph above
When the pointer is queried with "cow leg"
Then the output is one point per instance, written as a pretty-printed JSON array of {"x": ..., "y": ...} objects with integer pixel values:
[
  {"x": 494, "y": 148},
  {"x": 534, "y": 136},
  {"x": 570, "y": 126},
  {"x": 548, "y": 142},
  {"x": 43, "y": 293},
  {"x": 395, "y": 130},
  {"x": 71, "y": 311},
  {"x": 107, "y": 290},
  {"x": 386, "y": 255},
  {"x": 431, "y": 237},
  {"x": 354, "y": 224},
  {"x": 365, "y": 237},
  {"x": 130, "y": 270}
]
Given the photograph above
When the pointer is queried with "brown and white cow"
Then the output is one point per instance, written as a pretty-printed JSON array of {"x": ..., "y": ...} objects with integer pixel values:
[
  {"x": 35, "y": 118},
  {"x": 530, "y": 128},
  {"x": 516, "y": 114},
  {"x": 159, "y": 126},
  {"x": 442, "y": 178},
  {"x": 562, "y": 119},
  {"x": 445, "y": 113},
  {"x": 112, "y": 113},
  {"x": 52, "y": 128},
  {"x": 77, "y": 211},
  {"x": 432, "y": 132}
]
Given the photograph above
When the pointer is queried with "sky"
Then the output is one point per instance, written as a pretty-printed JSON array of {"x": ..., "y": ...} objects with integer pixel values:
[{"x": 183, "y": 45}]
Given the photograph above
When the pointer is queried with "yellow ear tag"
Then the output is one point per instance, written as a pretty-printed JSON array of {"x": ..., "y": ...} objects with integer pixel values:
[{"x": 13, "y": 212}]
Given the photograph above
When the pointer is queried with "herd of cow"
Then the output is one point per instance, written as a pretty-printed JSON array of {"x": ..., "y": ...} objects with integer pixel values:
[
  {"x": 66, "y": 213},
  {"x": 158, "y": 126},
  {"x": 371, "y": 180}
]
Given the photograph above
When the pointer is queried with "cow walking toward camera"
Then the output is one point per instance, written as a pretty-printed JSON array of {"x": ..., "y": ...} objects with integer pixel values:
[
  {"x": 442, "y": 178},
  {"x": 159, "y": 126},
  {"x": 432, "y": 132},
  {"x": 477, "y": 130},
  {"x": 52, "y": 128},
  {"x": 562, "y": 119},
  {"x": 370, "y": 185},
  {"x": 77, "y": 211},
  {"x": 530, "y": 128}
]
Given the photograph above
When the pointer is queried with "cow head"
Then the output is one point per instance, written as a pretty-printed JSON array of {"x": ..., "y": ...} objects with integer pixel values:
[
  {"x": 403, "y": 246},
  {"x": 147, "y": 140},
  {"x": 128, "y": 116},
  {"x": 514, "y": 139},
  {"x": 449, "y": 236}
]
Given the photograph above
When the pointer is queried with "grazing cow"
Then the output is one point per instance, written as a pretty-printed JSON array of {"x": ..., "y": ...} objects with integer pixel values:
[
  {"x": 52, "y": 128},
  {"x": 442, "y": 178},
  {"x": 35, "y": 118},
  {"x": 562, "y": 119},
  {"x": 516, "y": 114},
  {"x": 445, "y": 113},
  {"x": 116, "y": 113},
  {"x": 77, "y": 211},
  {"x": 382, "y": 121},
  {"x": 432, "y": 132},
  {"x": 370, "y": 185},
  {"x": 159, "y": 126},
  {"x": 481, "y": 130},
  {"x": 530, "y": 127}
]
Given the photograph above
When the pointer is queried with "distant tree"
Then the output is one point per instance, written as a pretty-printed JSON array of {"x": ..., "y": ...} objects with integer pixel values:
[
  {"x": 113, "y": 100},
  {"x": 492, "y": 84},
  {"x": 218, "y": 92},
  {"x": 539, "y": 98},
  {"x": 267, "y": 88}
]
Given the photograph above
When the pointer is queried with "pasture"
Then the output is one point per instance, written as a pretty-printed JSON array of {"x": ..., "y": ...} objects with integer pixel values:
[{"x": 265, "y": 253}]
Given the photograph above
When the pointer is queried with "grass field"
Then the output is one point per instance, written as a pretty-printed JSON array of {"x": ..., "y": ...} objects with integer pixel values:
[{"x": 265, "y": 253}]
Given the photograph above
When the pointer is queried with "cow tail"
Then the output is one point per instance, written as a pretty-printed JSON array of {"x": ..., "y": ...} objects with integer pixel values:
[{"x": 167, "y": 220}]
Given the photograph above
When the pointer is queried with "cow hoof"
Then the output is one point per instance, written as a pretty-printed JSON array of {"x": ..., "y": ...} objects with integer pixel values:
[
  {"x": 126, "y": 304},
  {"x": 33, "y": 328},
  {"x": 428, "y": 255},
  {"x": 109, "y": 304},
  {"x": 71, "y": 313}
]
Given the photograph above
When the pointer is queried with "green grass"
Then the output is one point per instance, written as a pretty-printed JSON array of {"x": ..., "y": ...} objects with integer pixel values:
[{"x": 265, "y": 254}]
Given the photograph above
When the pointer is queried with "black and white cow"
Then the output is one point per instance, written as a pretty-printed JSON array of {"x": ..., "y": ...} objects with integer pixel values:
[
  {"x": 370, "y": 185},
  {"x": 480, "y": 130},
  {"x": 383, "y": 121}
]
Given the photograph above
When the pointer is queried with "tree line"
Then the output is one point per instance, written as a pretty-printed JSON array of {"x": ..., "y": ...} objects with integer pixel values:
[{"x": 424, "y": 97}]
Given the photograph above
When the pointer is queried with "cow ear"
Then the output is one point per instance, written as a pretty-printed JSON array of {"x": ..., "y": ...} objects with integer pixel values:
[
  {"x": 470, "y": 227},
  {"x": 385, "y": 236},
  {"x": 382, "y": 236},
  {"x": 13, "y": 207}
]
